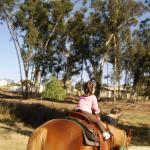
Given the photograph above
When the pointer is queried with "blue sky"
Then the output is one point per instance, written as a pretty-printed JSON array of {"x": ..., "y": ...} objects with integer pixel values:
[
  {"x": 8, "y": 59},
  {"x": 9, "y": 68}
]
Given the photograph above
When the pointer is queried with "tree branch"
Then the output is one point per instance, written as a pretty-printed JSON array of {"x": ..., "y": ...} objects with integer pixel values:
[{"x": 52, "y": 32}]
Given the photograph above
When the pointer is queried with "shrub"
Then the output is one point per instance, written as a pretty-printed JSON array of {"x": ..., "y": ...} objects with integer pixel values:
[{"x": 54, "y": 90}]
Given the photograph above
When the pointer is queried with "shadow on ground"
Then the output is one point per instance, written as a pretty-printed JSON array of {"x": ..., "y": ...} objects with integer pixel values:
[
  {"x": 31, "y": 114},
  {"x": 36, "y": 114},
  {"x": 16, "y": 130},
  {"x": 140, "y": 135}
]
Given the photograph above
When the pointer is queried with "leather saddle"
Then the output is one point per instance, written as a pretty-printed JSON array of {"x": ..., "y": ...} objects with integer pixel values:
[{"x": 90, "y": 132}]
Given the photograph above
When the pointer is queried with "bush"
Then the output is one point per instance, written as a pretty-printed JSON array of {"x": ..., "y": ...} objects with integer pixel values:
[{"x": 54, "y": 90}]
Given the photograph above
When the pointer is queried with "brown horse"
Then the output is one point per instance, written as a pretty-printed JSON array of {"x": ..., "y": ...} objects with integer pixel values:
[{"x": 63, "y": 134}]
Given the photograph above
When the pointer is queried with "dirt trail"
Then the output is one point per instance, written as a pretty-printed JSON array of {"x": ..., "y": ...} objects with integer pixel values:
[
  {"x": 13, "y": 137},
  {"x": 139, "y": 148}
]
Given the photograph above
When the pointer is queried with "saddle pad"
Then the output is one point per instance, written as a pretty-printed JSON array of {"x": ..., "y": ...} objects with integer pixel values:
[{"x": 89, "y": 138}]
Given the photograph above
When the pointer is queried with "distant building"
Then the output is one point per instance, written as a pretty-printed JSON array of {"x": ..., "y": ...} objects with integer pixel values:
[
  {"x": 5, "y": 82},
  {"x": 15, "y": 88},
  {"x": 108, "y": 92}
]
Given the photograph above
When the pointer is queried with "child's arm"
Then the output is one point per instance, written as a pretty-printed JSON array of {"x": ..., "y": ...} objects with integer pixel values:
[{"x": 95, "y": 108}]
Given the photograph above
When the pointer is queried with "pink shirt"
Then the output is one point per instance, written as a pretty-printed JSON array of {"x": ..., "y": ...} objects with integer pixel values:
[{"x": 88, "y": 103}]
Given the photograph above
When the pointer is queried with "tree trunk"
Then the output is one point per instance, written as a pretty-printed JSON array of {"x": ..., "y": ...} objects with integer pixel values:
[
  {"x": 115, "y": 46},
  {"x": 19, "y": 62}
]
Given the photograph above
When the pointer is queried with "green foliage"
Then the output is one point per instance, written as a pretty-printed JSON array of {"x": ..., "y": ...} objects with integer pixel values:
[
  {"x": 62, "y": 40},
  {"x": 54, "y": 90},
  {"x": 97, "y": 37},
  {"x": 139, "y": 64},
  {"x": 6, "y": 8}
]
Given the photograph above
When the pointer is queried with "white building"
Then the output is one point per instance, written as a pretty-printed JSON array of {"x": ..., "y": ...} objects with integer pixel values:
[{"x": 3, "y": 83}]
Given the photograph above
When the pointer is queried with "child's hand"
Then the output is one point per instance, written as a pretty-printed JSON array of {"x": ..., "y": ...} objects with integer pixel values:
[{"x": 98, "y": 117}]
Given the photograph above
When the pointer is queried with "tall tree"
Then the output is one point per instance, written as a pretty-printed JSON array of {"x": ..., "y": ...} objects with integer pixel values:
[
  {"x": 141, "y": 64},
  {"x": 7, "y": 8},
  {"x": 39, "y": 31},
  {"x": 99, "y": 38}
]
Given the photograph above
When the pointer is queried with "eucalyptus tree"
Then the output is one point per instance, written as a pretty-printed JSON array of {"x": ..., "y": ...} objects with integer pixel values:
[
  {"x": 24, "y": 22},
  {"x": 78, "y": 40},
  {"x": 99, "y": 39},
  {"x": 118, "y": 16},
  {"x": 40, "y": 23},
  {"x": 7, "y": 9},
  {"x": 140, "y": 64},
  {"x": 85, "y": 37}
]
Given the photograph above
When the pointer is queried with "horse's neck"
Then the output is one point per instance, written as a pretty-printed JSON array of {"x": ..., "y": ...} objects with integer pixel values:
[{"x": 119, "y": 136}]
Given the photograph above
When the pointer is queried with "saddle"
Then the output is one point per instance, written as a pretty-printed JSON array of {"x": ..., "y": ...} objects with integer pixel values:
[{"x": 91, "y": 134}]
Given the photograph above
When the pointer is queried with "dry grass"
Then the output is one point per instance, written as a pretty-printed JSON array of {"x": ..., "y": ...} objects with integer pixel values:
[
  {"x": 32, "y": 113},
  {"x": 137, "y": 118},
  {"x": 13, "y": 135}
]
